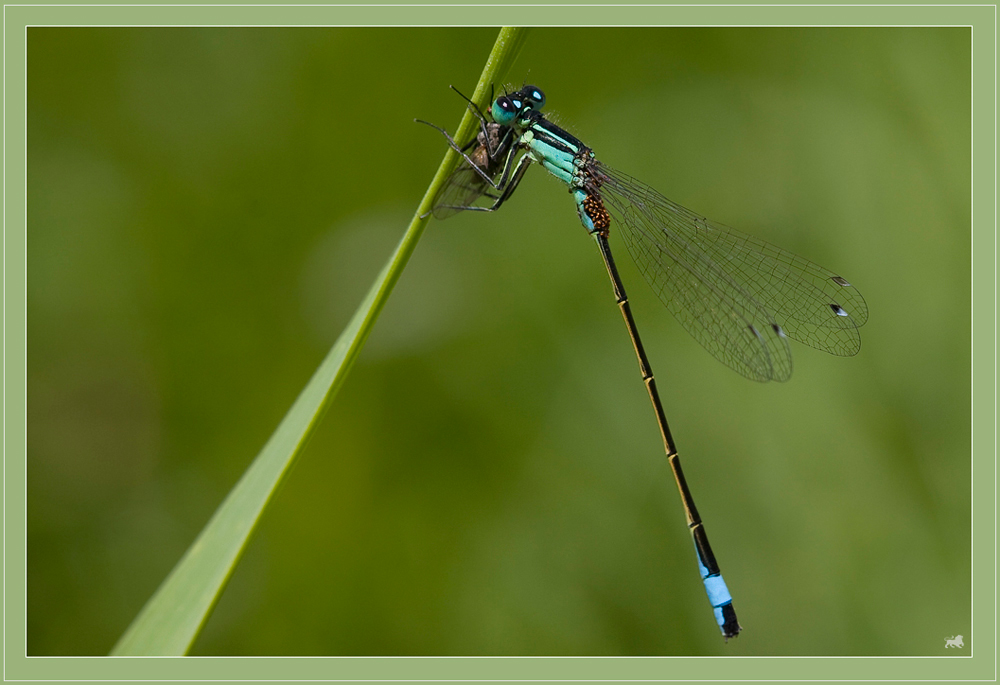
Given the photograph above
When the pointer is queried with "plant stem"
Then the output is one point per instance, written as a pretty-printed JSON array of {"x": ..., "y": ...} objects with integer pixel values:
[{"x": 172, "y": 618}]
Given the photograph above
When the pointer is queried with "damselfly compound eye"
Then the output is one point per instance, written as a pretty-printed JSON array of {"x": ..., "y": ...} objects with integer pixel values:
[
  {"x": 503, "y": 110},
  {"x": 534, "y": 96}
]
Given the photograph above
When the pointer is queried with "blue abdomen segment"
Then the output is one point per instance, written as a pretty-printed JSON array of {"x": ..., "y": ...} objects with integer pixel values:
[
  {"x": 718, "y": 593},
  {"x": 715, "y": 588}
]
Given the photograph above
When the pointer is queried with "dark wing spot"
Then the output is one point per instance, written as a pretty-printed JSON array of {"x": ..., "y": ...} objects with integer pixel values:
[
  {"x": 777, "y": 329},
  {"x": 840, "y": 281},
  {"x": 837, "y": 309}
]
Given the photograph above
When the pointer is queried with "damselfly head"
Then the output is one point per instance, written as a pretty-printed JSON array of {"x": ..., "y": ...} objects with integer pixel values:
[{"x": 506, "y": 107}]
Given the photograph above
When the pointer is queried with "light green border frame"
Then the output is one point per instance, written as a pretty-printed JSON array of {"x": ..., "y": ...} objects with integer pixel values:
[{"x": 978, "y": 664}]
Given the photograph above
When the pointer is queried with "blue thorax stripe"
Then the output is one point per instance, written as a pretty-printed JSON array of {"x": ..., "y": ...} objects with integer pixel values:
[{"x": 554, "y": 136}]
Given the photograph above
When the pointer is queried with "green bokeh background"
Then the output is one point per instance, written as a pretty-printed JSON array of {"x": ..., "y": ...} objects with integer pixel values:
[{"x": 207, "y": 207}]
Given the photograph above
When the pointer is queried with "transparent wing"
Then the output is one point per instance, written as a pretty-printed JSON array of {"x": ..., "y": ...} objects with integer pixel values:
[
  {"x": 737, "y": 295},
  {"x": 462, "y": 189}
]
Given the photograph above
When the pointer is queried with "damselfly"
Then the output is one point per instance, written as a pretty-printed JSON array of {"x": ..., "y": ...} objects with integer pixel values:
[{"x": 738, "y": 296}]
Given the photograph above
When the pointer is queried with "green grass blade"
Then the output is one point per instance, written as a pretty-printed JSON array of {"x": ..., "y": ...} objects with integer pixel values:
[{"x": 175, "y": 614}]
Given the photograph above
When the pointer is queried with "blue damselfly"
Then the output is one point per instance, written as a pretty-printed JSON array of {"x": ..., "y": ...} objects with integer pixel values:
[{"x": 739, "y": 297}]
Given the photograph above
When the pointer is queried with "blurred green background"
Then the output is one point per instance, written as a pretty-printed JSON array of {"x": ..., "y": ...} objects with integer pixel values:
[{"x": 207, "y": 207}]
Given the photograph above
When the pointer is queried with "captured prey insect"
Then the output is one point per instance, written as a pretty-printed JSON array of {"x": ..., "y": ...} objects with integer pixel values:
[
  {"x": 474, "y": 177},
  {"x": 739, "y": 297}
]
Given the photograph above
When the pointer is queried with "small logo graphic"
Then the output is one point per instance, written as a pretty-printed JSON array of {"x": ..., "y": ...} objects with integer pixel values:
[{"x": 953, "y": 642}]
